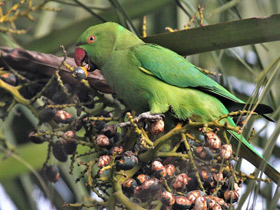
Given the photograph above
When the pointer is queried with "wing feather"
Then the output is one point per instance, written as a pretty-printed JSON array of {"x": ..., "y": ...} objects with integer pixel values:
[{"x": 175, "y": 70}]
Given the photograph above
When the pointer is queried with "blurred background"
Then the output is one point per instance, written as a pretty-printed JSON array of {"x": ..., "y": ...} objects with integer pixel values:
[{"x": 249, "y": 72}]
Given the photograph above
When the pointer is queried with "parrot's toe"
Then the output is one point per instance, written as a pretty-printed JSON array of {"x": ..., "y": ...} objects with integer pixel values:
[
  {"x": 149, "y": 116},
  {"x": 123, "y": 124}
]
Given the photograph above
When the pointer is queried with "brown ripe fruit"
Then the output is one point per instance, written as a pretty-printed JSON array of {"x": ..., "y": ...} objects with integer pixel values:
[
  {"x": 235, "y": 187},
  {"x": 167, "y": 198},
  {"x": 139, "y": 192},
  {"x": 217, "y": 207},
  {"x": 129, "y": 186},
  {"x": 204, "y": 175},
  {"x": 102, "y": 140},
  {"x": 103, "y": 160},
  {"x": 214, "y": 202},
  {"x": 62, "y": 116},
  {"x": 159, "y": 169},
  {"x": 68, "y": 142},
  {"x": 213, "y": 140},
  {"x": 68, "y": 134},
  {"x": 193, "y": 195},
  {"x": 129, "y": 182},
  {"x": 200, "y": 204},
  {"x": 210, "y": 201},
  {"x": 151, "y": 185},
  {"x": 157, "y": 127},
  {"x": 207, "y": 179},
  {"x": 181, "y": 202},
  {"x": 170, "y": 170},
  {"x": 231, "y": 196},
  {"x": 117, "y": 149},
  {"x": 218, "y": 177},
  {"x": 226, "y": 151},
  {"x": 181, "y": 181},
  {"x": 141, "y": 178},
  {"x": 204, "y": 153},
  {"x": 156, "y": 165},
  {"x": 220, "y": 201}
]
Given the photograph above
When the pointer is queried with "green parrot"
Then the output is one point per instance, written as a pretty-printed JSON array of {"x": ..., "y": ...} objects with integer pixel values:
[{"x": 151, "y": 78}]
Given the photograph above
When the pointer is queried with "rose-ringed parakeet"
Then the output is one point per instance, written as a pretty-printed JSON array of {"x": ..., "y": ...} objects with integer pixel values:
[{"x": 148, "y": 77}]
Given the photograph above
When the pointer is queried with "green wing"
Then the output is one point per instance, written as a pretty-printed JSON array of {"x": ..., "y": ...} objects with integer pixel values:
[{"x": 175, "y": 70}]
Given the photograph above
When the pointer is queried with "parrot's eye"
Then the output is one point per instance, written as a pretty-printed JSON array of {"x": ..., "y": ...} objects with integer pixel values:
[{"x": 91, "y": 39}]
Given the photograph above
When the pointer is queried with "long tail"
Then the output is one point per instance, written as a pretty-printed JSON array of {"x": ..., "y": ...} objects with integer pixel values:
[{"x": 248, "y": 152}]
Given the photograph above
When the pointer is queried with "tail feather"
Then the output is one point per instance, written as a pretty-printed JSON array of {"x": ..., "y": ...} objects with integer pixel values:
[
  {"x": 261, "y": 109},
  {"x": 248, "y": 152}
]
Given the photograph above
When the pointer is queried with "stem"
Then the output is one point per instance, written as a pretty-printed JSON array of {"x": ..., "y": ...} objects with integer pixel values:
[
  {"x": 149, "y": 155},
  {"x": 188, "y": 148},
  {"x": 124, "y": 200}
]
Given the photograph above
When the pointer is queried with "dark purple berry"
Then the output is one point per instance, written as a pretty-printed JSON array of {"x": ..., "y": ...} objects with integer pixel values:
[
  {"x": 69, "y": 146},
  {"x": 46, "y": 115},
  {"x": 109, "y": 131},
  {"x": 52, "y": 173},
  {"x": 35, "y": 139},
  {"x": 58, "y": 152},
  {"x": 127, "y": 162}
]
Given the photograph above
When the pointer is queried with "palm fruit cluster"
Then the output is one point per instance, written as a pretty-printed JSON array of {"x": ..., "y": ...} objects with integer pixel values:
[
  {"x": 175, "y": 183},
  {"x": 181, "y": 190},
  {"x": 171, "y": 180},
  {"x": 194, "y": 172}
]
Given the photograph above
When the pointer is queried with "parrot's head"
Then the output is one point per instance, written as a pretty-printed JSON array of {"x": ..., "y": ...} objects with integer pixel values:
[{"x": 96, "y": 44}]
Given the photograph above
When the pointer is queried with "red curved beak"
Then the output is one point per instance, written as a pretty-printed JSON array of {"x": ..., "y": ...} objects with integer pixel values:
[{"x": 79, "y": 56}]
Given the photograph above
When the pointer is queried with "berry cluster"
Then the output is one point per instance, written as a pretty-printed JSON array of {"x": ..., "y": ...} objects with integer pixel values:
[
  {"x": 177, "y": 186},
  {"x": 187, "y": 174}
]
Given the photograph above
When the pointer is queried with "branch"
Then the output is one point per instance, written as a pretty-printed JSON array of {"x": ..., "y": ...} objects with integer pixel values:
[{"x": 46, "y": 65}]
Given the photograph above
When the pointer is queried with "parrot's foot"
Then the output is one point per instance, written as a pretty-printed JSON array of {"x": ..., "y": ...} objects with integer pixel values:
[
  {"x": 149, "y": 116},
  {"x": 142, "y": 117}
]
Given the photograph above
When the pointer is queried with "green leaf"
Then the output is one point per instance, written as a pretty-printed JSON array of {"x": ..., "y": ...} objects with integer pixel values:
[
  {"x": 28, "y": 157},
  {"x": 34, "y": 154},
  {"x": 220, "y": 36}
]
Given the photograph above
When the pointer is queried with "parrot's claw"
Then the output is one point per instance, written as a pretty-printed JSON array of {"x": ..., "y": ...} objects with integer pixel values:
[
  {"x": 149, "y": 116},
  {"x": 123, "y": 124},
  {"x": 142, "y": 117}
]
